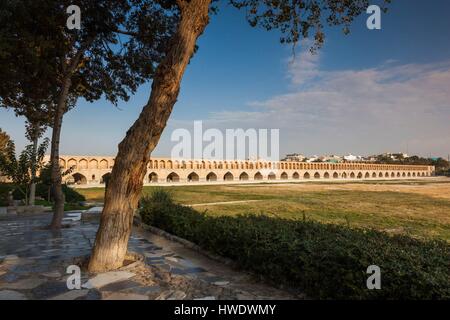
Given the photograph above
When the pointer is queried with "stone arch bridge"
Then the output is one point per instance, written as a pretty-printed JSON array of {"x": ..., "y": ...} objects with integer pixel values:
[{"x": 94, "y": 170}]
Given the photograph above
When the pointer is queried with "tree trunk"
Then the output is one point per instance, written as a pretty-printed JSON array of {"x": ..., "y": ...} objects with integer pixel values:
[
  {"x": 55, "y": 175},
  {"x": 31, "y": 200},
  {"x": 126, "y": 180}
]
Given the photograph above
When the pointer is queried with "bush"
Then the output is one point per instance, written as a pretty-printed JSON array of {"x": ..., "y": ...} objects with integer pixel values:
[
  {"x": 43, "y": 191},
  {"x": 324, "y": 261},
  {"x": 4, "y": 190},
  {"x": 72, "y": 195}
]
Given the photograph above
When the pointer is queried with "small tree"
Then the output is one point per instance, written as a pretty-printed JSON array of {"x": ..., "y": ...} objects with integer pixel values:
[
  {"x": 46, "y": 180},
  {"x": 20, "y": 169},
  {"x": 4, "y": 139}
]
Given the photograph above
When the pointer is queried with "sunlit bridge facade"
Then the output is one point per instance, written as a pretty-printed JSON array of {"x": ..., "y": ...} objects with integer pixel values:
[{"x": 89, "y": 170}]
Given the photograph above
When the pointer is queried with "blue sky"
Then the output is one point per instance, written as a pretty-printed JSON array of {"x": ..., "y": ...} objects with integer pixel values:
[{"x": 364, "y": 93}]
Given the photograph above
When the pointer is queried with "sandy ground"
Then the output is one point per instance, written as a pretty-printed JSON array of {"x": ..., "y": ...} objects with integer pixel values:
[{"x": 437, "y": 188}]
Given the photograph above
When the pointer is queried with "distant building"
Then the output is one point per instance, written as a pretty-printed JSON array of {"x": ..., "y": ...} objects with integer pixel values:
[
  {"x": 294, "y": 157},
  {"x": 331, "y": 158},
  {"x": 394, "y": 156},
  {"x": 312, "y": 159},
  {"x": 351, "y": 157}
]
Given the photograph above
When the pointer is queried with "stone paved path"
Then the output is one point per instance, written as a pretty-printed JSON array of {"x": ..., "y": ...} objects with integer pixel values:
[{"x": 33, "y": 263}]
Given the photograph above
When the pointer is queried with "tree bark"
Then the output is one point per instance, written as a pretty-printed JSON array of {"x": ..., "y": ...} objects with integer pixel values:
[
  {"x": 61, "y": 108},
  {"x": 55, "y": 175},
  {"x": 130, "y": 167},
  {"x": 32, "y": 197}
]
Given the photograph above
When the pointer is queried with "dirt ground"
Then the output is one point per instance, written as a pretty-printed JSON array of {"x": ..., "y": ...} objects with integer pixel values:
[{"x": 436, "y": 188}]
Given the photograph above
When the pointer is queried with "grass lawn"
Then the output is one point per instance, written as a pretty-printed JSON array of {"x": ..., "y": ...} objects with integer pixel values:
[{"x": 419, "y": 209}]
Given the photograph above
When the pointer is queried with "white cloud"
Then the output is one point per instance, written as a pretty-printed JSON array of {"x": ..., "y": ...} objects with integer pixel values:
[{"x": 391, "y": 107}]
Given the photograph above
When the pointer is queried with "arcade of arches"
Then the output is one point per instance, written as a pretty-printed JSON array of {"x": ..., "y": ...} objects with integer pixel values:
[{"x": 95, "y": 170}]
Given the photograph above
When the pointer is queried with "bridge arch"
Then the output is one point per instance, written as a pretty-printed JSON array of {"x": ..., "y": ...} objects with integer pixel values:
[
  {"x": 284, "y": 176},
  {"x": 228, "y": 176},
  {"x": 193, "y": 177},
  {"x": 326, "y": 175},
  {"x": 82, "y": 164},
  {"x": 243, "y": 176},
  {"x": 295, "y": 176},
  {"x": 79, "y": 178},
  {"x": 72, "y": 163},
  {"x": 104, "y": 164},
  {"x": 62, "y": 163},
  {"x": 153, "y": 177},
  {"x": 105, "y": 178},
  {"x": 271, "y": 176},
  {"x": 173, "y": 177},
  {"x": 93, "y": 164},
  {"x": 211, "y": 177},
  {"x": 258, "y": 176},
  {"x": 306, "y": 175}
]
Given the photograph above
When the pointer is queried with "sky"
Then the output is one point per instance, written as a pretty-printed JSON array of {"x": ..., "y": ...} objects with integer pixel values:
[{"x": 368, "y": 92}]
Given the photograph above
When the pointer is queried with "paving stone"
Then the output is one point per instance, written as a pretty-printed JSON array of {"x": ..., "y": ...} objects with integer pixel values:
[
  {"x": 103, "y": 279},
  {"x": 93, "y": 294},
  {"x": 10, "y": 257},
  {"x": 125, "y": 296},
  {"x": 11, "y": 295},
  {"x": 145, "y": 290},
  {"x": 121, "y": 285},
  {"x": 50, "y": 289},
  {"x": 210, "y": 278},
  {"x": 245, "y": 296},
  {"x": 24, "y": 284},
  {"x": 29, "y": 268},
  {"x": 172, "y": 259},
  {"x": 187, "y": 270},
  {"x": 206, "y": 298},
  {"x": 171, "y": 295},
  {"x": 71, "y": 295},
  {"x": 52, "y": 274},
  {"x": 150, "y": 260}
]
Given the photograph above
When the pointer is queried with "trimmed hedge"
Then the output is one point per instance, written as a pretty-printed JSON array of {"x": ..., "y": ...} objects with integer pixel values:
[{"x": 324, "y": 261}]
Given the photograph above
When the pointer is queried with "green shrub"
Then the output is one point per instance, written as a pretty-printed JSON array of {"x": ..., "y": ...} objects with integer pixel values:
[
  {"x": 44, "y": 191},
  {"x": 4, "y": 190},
  {"x": 324, "y": 261},
  {"x": 72, "y": 195}
]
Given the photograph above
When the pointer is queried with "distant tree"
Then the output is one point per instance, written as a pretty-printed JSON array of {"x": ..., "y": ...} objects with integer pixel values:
[
  {"x": 34, "y": 131},
  {"x": 295, "y": 19},
  {"x": 116, "y": 50},
  {"x": 45, "y": 178},
  {"x": 4, "y": 139}
]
